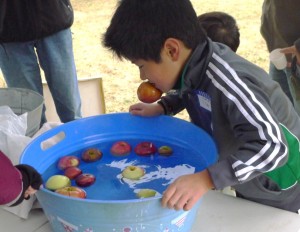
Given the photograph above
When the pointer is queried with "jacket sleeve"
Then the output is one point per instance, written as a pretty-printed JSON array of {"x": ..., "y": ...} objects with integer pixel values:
[
  {"x": 11, "y": 186},
  {"x": 172, "y": 103}
]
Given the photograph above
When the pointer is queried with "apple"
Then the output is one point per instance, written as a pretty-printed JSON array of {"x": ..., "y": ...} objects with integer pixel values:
[
  {"x": 120, "y": 148},
  {"x": 165, "y": 150},
  {"x": 68, "y": 161},
  {"x": 57, "y": 182},
  {"x": 72, "y": 191},
  {"x": 72, "y": 172},
  {"x": 148, "y": 93},
  {"x": 145, "y": 149},
  {"x": 85, "y": 179},
  {"x": 145, "y": 193},
  {"x": 91, "y": 155},
  {"x": 133, "y": 172}
]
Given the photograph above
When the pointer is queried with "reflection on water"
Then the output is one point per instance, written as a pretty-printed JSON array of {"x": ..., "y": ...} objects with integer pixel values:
[{"x": 168, "y": 174}]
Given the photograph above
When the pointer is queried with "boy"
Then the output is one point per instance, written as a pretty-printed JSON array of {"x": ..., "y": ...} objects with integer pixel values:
[
  {"x": 253, "y": 123},
  {"x": 221, "y": 27}
]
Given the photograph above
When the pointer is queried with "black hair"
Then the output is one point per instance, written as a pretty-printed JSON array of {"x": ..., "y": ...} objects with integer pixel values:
[
  {"x": 221, "y": 27},
  {"x": 139, "y": 28}
]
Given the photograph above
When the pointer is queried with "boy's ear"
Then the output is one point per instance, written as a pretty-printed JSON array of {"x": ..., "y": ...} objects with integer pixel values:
[{"x": 172, "y": 48}]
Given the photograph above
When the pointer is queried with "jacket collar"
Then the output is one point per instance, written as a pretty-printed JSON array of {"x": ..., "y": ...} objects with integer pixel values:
[{"x": 195, "y": 68}]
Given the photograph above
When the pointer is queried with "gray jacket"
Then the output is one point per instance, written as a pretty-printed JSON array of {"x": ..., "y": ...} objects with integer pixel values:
[{"x": 248, "y": 116}]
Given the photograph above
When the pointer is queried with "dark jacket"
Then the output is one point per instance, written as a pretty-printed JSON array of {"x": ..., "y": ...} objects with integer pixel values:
[
  {"x": 280, "y": 22},
  {"x": 26, "y": 20}
]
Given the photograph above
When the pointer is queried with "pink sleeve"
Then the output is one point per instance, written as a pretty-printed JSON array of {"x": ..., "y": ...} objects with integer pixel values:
[{"x": 10, "y": 181}]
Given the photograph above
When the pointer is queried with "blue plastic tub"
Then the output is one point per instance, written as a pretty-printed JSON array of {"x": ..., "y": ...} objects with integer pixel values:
[{"x": 112, "y": 204}]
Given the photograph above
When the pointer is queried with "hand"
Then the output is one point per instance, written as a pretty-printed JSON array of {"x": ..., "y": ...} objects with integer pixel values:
[
  {"x": 186, "y": 190},
  {"x": 29, "y": 191},
  {"x": 144, "y": 109},
  {"x": 292, "y": 50},
  {"x": 30, "y": 176},
  {"x": 32, "y": 181}
]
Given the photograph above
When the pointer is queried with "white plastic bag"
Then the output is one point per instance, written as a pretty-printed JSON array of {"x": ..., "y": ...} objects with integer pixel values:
[
  {"x": 12, "y": 143},
  {"x": 12, "y": 123},
  {"x": 12, "y": 133}
]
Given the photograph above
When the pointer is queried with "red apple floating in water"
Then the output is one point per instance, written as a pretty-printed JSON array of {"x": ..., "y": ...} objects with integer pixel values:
[
  {"x": 72, "y": 191},
  {"x": 165, "y": 150},
  {"x": 72, "y": 172},
  {"x": 85, "y": 179},
  {"x": 91, "y": 155},
  {"x": 148, "y": 93},
  {"x": 57, "y": 181},
  {"x": 145, "y": 149},
  {"x": 120, "y": 148},
  {"x": 133, "y": 172},
  {"x": 68, "y": 161}
]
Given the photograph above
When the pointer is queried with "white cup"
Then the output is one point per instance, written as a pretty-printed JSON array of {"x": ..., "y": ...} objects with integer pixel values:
[{"x": 278, "y": 59}]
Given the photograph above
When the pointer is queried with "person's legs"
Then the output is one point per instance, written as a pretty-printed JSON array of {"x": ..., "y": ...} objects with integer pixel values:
[
  {"x": 56, "y": 58},
  {"x": 20, "y": 67},
  {"x": 287, "y": 83},
  {"x": 283, "y": 78},
  {"x": 294, "y": 87}
]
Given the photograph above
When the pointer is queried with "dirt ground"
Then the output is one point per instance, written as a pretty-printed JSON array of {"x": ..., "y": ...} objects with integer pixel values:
[{"x": 121, "y": 78}]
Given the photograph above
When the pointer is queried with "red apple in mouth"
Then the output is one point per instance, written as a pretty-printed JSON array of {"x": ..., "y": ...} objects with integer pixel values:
[
  {"x": 72, "y": 191},
  {"x": 133, "y": 172},
  {"x": 85, "y": 179},
  {"x": 91, "y": 155},
  {"x": 165, "y": 150},
  {"x": 57, "y": 181},
  {"x": 120, "y": 148},
  {"x": 145, "y": 149},
  {"x": 148, "y": 93},
  {"x": 72, "y": 172},
  {"x": 68, "y": 161}
]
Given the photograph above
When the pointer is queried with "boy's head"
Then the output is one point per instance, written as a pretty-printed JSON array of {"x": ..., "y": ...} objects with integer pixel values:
[
  {"x": 139, "y": 28},
  {"x": 156, "y": 35},
  {"x": 221, "y": 27}
]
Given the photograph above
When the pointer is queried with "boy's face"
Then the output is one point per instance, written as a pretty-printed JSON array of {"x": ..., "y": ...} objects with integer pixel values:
[{"x": 164, "y": 74}]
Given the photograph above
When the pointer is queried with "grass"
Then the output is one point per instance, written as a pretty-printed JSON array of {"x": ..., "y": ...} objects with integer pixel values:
[{"x": 121, "y": 78}]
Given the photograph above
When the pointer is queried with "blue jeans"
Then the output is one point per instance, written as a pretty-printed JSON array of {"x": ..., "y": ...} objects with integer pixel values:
[
  {"x": 20, "y": 64},
  {"x": 284, "y": 78}
]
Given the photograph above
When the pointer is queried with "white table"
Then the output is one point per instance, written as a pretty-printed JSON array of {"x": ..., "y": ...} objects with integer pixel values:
[
  {"x": 217, "y": 213},
  {"x": 223, "y": 213}
]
